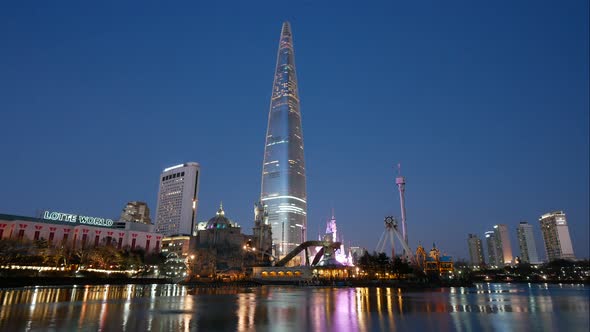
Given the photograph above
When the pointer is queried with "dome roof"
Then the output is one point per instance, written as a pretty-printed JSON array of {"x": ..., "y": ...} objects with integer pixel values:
[{"x": 220, "y": 221}]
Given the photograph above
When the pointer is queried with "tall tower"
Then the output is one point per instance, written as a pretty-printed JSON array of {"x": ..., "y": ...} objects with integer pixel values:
[
  {"x": 283, "y": 172},
  {"x": 493, "y": 256},
  {"x": 556, "y": 235},
  {"x": 526, "y": 243},
  {"x": 178, "y": 200},
  {"x": 475, "y": 250},
  {"x": 401, "y": 185},
  {"x": 503, "y": 246}
]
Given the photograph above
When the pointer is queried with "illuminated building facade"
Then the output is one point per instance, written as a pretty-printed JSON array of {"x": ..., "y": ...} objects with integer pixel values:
[
  {"x": 556, "y": 235},
  {"x": 178, "y": 200},
  {"x": 179, "y": 245},
  {"x": 475, "y": 250},
  {"x": 527, "y": 244},
  {"x": 503, "y": 246},
  {"x": 283, "y": 189},
  {"x": 74, "y": 234},
  {"x": 136, "y": 212},
  {"x": 332, "y": 236}
]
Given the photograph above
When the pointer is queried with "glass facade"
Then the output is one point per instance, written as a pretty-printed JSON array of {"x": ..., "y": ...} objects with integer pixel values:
[{"x": 283, "y": 172}]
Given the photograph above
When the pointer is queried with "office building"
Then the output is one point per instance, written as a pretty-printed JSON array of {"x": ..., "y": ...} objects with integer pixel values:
[
  {"x": 136, "y": 212},
  {"x": 475, "y": 250},
  {"x": 556, "y": 236},
  {"x": 527, "y": 244},
  {"x": 178, "y": 200},
  {"x": 493, "y": 257},
  {"x": 283, "y": 189},
  {"x": 503, "y": 246}
]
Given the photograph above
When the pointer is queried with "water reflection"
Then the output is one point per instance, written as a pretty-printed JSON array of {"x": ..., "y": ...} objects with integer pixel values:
[{"x": 506, "y": 307}]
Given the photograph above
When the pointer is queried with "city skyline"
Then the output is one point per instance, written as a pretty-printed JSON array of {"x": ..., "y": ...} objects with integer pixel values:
[{"x": 485, "y": 136}]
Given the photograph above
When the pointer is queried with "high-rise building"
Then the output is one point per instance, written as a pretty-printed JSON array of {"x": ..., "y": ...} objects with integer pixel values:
[
  {"x": 475, "y": 250},
  {"x": 136, "y": 212},
  {"x": 556, "y": 235},
  {"x": 527, "y": 244},
  {"x": 503, "y": 246},
  {"x": 178, "y": 200},
  {"x": 493, "y": 257},
  {"x": 283, "y": 189}
]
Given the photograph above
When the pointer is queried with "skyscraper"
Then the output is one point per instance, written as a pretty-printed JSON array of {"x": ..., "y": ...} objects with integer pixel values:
[
  {"x": 526, "y": 243},
  {"x": 178, "y": 200},
  {"x": 136, "y": 212},
  {"x": 556, "y": 235},
  {"x": 475, "y": 250},
  {"x": 283, "y": 189},
  {"x": 493, "y": 257},
  {"x": 503, "y": 246}
]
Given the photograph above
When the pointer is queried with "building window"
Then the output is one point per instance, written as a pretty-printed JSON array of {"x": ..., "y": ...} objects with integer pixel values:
[
  {"x": 84, "y": 238},
  {"x": 96, "y": 238},
  {"x": 51, "y": 236},
  {"x": 21, "y": 234},
  {"x": 65, "y": 239},
  {"x": 109, "y": 239},
  {"x": 36, "y": 237},
  {"x": 120, "y": 244},
  {"x": 157, "y": 246},
  {"x": 133, "y": 244},
  {"x": 1, "y": 232},
  {"x": 147, "y": 245}
]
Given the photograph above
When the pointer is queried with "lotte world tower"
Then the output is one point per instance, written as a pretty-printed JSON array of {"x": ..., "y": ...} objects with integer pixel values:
[{"x": 283, "y": 171}]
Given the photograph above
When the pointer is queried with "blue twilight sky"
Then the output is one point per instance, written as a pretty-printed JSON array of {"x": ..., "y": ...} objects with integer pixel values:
[{"x": 486, "y": 106}]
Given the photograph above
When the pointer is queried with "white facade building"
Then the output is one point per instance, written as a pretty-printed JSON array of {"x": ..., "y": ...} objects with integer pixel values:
[
  {"x": 73, "y": 233},
  {"x": 556, "y": 235},
  {"x": 178, "y": 200},
  {"x": 527, "y": 244}
]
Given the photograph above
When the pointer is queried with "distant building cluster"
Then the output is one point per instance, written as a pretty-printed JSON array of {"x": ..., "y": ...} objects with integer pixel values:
[{"x": 556, "y": 239}]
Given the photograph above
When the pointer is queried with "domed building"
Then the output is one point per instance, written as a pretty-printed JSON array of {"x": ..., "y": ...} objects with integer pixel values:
[
  {"x": 219, "y": 246},
  {"x": 220, "y": 221}
]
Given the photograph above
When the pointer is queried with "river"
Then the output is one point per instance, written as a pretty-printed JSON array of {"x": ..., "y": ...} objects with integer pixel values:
[{"x": 486, "y": 307}]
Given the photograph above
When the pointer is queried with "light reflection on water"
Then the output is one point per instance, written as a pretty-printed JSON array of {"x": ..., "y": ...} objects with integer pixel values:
[{"x": 505, "y": 307}]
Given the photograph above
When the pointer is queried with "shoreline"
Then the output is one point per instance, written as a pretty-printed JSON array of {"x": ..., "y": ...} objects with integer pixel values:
[
  {"x": 17, "y": 282},
  {"x": 21, "y": 282}
]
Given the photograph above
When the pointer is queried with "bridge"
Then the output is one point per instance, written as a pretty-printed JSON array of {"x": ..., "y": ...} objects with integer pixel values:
[{"x": 304, "y": 246}]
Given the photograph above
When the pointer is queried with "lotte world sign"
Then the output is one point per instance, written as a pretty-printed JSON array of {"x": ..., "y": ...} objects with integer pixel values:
[{"x": 74, "y": 218}]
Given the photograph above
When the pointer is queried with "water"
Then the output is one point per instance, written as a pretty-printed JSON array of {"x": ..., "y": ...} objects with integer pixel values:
[{"x": 487, "y": 307}]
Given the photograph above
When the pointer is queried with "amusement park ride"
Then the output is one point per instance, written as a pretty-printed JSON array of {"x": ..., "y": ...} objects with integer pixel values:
[
  {"x": 433, "y": 262},
  {"x": 391, "y": 226},
  {"x": 328, "y": 251}
]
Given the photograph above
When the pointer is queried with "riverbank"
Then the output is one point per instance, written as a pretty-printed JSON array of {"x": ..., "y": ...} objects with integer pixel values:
[
  {"x": 402, "y": 284},
  {"x": 14, "y": 282},
  {"x": 28, "y": 281}
]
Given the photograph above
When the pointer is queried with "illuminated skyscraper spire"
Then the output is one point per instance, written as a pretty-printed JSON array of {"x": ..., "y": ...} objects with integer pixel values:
[{"x": 283, "y": 171}]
